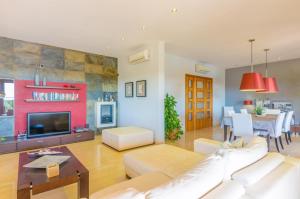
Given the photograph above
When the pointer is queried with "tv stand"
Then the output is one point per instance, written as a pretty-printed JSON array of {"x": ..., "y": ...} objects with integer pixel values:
[{"x": 13, "y": 144}]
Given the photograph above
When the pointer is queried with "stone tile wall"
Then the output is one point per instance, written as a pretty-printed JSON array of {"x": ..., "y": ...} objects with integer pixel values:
[{"x": 18, "y": 60}]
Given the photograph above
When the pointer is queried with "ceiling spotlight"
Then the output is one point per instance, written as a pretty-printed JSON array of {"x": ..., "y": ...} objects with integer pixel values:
[
  {"x": 174, "y": 10},
  {"x": 123, "y": 38}
]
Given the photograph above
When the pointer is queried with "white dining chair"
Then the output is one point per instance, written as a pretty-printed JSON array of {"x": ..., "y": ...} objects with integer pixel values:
[
  {"x": 272, "y": 111},
  {"x": 278, "y": 130},
  {"x": 242, "y": 125},
  {"x": 244, "y": 111},
  {"x": 228, "y": 111},
  {"x": 287, "y": 126}
]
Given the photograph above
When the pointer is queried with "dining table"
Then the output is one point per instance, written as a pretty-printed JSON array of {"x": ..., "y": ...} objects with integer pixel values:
[{"x": 262, "y": 123}]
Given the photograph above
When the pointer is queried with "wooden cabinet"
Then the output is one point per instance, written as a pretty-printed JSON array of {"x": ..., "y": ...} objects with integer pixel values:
[
  {"x": 38, "y": 143},
  {"x": 77, "y": 137},
  {"x": 14, "y": 145}
]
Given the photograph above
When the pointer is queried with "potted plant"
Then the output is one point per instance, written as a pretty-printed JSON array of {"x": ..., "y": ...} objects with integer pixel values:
[
  {"x": 259, "y": 111},
  {"x": 173, "y": 128}
]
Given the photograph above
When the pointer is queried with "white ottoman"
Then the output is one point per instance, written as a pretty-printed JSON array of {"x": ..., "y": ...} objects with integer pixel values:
[{"x": 127, "y": 137}]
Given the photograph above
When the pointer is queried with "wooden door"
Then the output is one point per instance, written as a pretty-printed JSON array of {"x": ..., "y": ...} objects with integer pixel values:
[{"x": 198, "y": 103}]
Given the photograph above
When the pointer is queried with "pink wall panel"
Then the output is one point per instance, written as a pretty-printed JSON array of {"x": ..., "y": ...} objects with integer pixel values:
[{"x": 77, "y": 109}]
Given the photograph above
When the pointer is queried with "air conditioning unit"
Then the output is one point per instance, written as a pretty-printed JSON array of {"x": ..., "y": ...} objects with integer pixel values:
[
  {"x": 201, "y": 69},
  {"x": 139, "y": 57}
]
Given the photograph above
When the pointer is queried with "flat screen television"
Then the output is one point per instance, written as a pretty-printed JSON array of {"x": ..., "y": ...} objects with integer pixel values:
[{"x": 46, "y": 124}]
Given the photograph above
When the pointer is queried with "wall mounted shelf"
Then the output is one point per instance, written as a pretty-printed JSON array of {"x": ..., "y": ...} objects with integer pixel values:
[
  {"x": 52, "y": 87},
  {"x": 32, "y": 100}
]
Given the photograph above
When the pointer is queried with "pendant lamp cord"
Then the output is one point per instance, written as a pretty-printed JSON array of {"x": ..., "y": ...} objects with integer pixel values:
[
  {"x": 266, "y": 50},
  {"x": 251, "y": 41}
]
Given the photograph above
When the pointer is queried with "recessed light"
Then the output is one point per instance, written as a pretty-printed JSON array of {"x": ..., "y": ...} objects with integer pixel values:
[
  {"x": 174, "y": 10},
  {"x": 123, "y": 38}
]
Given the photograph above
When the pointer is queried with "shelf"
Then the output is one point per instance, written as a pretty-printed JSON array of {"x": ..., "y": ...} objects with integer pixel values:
[
  {"x": 52, "y": 87},
  {"x": 32, "y": 100}
]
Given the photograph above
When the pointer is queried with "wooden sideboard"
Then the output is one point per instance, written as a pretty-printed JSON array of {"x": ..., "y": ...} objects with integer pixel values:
[{"x": 13, "y": 144}]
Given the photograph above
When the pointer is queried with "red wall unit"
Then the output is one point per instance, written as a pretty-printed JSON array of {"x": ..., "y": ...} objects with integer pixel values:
[{"x": 77, "y": 109}]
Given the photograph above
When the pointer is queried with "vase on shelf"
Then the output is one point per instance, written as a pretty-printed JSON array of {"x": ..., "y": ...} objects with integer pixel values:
[
  {"x": 37, "y": 78},
  {"x": 44, "y": 81}
]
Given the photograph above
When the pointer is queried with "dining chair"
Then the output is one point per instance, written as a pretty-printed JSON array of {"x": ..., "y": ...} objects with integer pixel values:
[
  {"x": 242, "y": 125},
  {"x": 287, "y": 126},
  {"x": 272, "y": 111},
  {"x": 244, "y": 111},
  {"x": 278, "y": 130},
  {"x": 228, "y": 111}
]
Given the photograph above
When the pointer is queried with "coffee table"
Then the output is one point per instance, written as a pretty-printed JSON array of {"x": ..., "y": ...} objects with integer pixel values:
[{"x": 34, "y": 181}]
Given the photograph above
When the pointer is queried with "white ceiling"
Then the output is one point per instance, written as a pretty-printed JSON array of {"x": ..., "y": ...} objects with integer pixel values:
[{"x": 212, "y": 31}]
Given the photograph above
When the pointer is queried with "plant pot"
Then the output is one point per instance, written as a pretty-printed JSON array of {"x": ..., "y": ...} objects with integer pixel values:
[
  {"x": 262, "y": 115},
  {"x": 173, "y": 135}
]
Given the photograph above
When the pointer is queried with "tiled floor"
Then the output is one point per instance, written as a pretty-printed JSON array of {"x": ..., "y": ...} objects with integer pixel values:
[
  {"x": 187, "y": 140},
  {"x": 105, "y": 164}
]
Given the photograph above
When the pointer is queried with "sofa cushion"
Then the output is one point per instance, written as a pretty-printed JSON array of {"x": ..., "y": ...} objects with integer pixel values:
[
  {"x": 141, "y": 183},
  {"x": 237, "y": 159},
  {"x": 165, "y": 158},
  {"x": 194, "y": 183},
  {"x": 282, "y": 182},
  {"x": 246, "y": 197},
  {"x": 226, "y": 190},
  {"x": 238, "y": 143},
  {"x": 258, "y": 170}
]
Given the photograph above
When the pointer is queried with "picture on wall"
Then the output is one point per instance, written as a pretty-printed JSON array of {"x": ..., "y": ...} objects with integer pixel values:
[
  {"x": 141, "y": 88},
  {"x": 129, "y": 89}
]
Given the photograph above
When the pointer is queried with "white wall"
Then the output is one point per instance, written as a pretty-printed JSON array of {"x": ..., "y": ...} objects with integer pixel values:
[
  {"x": 175, "y": 70},
  {"x": 147, "y": 111}
]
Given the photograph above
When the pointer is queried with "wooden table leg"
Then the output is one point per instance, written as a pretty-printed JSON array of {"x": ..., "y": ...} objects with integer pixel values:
[
  {"x": 225, "y": 132},
  {"x": 84, "y": 185},
  {"x": 23, "y": 193}
]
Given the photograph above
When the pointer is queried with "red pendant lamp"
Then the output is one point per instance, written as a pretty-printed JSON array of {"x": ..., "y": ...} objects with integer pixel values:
[
  {"x": 252, "y": 81},
  {"x": 270, "y": 82}
]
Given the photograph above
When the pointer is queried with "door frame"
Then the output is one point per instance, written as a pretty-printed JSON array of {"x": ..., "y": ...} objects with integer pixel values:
[{"x": 186, "y": 98}]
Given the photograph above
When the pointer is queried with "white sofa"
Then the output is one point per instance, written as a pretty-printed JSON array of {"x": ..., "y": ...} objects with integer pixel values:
[
  {"x": 164, "y": 171},
  {"x": 123, "y": 138}
]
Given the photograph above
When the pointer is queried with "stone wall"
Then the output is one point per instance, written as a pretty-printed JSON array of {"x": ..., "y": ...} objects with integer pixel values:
[{"x": 18, "y": 60}]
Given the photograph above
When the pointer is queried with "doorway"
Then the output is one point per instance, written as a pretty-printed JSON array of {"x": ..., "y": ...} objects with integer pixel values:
[{"x": 198, "y": 102}]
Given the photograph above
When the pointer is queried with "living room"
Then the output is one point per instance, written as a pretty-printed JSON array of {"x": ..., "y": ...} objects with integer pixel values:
[{"x": 149, "y": 99}]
